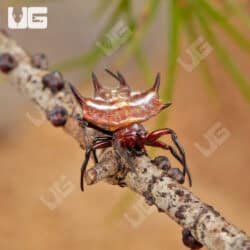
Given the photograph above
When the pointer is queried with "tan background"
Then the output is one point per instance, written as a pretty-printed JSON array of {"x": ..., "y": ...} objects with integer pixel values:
[{"x": 33, "y": 158}]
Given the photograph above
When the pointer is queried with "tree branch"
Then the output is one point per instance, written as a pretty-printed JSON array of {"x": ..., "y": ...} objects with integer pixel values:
[{"x": 52, "y": 94}]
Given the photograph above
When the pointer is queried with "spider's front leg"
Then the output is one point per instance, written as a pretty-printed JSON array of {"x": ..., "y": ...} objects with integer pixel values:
[
  {"x": 152, "y": 140},
  {"x": 98, "y": 142},
  {"x": 100, "y": 139},
  {"x": 96, "y": 145}
]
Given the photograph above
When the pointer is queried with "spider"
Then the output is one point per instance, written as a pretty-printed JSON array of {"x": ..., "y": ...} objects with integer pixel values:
[{"x": 118, "y": 114}]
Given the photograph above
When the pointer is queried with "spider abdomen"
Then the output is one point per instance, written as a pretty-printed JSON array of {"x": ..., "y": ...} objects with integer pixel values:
[
  {"x": 113, "y": 109},
  {"x": 121, "y": 113}
]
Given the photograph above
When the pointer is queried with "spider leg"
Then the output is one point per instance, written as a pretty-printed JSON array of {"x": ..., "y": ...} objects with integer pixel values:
[
  {"x": 95, "y": 156},
  {"x": 162, "y": 145},
  {"x": 153, "y": 136},
  {"x": 167, "y": 147},
  {"x": 158, "y": 133},
  {"x": 83, "y": 123},
  {"x": 98, "y": 139},
  {"x": 102, "y": 138},
  {"x": 91, "y": 148}
]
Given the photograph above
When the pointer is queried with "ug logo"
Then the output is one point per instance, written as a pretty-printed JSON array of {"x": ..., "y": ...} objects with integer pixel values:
[{"x": 27, "y": 18}]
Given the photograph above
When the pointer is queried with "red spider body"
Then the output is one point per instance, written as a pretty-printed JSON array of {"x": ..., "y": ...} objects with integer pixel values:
[
  {"x": 130, "y": 137},
  {"x": 117, "y": 113},
  {"x": 113, "y": 109}
]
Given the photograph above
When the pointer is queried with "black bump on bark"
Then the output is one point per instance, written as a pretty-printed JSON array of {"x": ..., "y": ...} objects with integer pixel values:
[
  {"x": 40, "y": 61},
  {"x": 58, "y": 116},
  {"x": 7, "y": 62},
  {"x": 150, "y": 200},
  {"x": 176, "y": 174},
  {"x": 162, "y": 162},
  {"x": 180, "y": 213},
  {"x": 189, "y": 241},
  {"x": 54, "y": 81}
]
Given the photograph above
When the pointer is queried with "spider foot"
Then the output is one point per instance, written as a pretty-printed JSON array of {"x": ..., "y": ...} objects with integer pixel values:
[{"x": 189, "y": 241}]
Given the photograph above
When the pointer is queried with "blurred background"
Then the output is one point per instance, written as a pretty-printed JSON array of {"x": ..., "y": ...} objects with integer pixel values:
[{"x": 201, "y": 49}]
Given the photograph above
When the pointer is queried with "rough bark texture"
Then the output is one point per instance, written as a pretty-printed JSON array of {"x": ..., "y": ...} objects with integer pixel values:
[{"x": 205, "y": 223}]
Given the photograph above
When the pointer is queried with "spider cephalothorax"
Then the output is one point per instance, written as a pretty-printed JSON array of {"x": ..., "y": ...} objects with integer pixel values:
[{"x": 117, "y": 113}]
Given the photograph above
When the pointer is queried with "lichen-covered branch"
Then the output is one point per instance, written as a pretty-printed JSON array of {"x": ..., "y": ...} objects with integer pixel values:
[
  {"x": 157, "y": 184},
  {"x": 151, "y": 181},
  {"x": 31, "y": 77}
]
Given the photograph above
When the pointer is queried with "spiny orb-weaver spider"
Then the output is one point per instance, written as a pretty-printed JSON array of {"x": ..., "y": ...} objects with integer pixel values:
[{"x": 117, "y": 113}]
